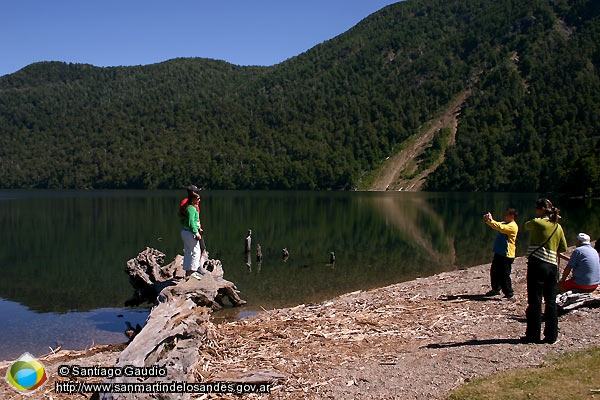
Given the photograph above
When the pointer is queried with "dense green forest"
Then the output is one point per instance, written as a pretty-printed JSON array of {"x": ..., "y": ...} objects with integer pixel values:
[{"x": 327, "y": 118}]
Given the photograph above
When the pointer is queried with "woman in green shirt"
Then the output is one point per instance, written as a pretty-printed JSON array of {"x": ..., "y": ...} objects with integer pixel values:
[
  {"x": 547, "y": 241},
  {"x": 191, "y": 234}
]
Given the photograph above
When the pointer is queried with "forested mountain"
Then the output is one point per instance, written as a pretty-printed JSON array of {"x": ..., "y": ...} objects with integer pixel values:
[{"x": 328, "y": 118}]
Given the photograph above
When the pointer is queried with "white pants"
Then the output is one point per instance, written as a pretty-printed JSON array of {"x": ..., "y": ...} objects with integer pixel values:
[{"x": 191, "y": 251}]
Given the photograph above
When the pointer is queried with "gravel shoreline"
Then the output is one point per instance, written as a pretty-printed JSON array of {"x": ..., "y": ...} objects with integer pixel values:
[{"x": 412, "y": 340}]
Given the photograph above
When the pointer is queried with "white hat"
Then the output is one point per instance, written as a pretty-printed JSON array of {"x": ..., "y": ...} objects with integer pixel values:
[{"x": 583, "y": 238}]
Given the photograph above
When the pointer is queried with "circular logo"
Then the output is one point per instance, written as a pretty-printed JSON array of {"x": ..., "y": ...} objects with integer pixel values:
[{"x": 26, "y": 374}]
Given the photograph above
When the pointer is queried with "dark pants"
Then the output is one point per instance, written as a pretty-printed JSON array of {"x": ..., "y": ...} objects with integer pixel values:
[
  {"x": 541, "y": 281},
  {"x": 500, "y": 274}
]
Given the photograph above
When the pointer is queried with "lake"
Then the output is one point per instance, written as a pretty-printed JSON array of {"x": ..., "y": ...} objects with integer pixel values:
[{"x": 63, "y": 253}]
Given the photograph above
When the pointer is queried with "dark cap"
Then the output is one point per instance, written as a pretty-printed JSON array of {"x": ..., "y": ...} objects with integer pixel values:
[{"x": 193, "y": 189}]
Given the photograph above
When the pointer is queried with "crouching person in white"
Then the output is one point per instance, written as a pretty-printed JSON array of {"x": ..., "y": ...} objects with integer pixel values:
[{"x": 584, "y": 267}]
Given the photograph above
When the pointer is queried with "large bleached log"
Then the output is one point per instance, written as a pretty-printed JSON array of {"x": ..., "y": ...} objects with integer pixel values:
[
  {"x": 150, "y": 279},
  {"x": 165, "y": 351}
]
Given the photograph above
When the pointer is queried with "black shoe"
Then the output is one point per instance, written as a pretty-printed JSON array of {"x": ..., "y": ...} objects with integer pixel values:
[
  {"x": 526, "y": 340},
  {"x": 549, "y": 341},
  {"x": 508, "y": 297},
  {"x": 493, "y": 293}
]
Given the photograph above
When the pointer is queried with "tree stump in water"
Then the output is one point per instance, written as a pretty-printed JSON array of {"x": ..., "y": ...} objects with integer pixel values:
[
  {"x": 248, "y": 242},
  {"x": 167, "y": 348},
  {"x": 259, "y": 255}
]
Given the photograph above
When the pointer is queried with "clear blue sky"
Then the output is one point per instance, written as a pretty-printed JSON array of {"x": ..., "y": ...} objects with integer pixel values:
[{"x": 141, "y": 32}]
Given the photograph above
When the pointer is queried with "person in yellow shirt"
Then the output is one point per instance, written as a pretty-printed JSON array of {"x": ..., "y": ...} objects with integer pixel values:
[{"x": 504, "y": 252}]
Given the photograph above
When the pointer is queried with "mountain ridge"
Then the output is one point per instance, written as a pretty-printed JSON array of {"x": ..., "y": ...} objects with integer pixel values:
[{"x": 331, "y": 116}]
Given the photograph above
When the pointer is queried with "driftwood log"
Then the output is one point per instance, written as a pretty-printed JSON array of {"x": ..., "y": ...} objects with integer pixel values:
[
  {"x": 168, "y": 349},
  {"x": 569, "y": 300},
  {"x": 150, "y": 279}
]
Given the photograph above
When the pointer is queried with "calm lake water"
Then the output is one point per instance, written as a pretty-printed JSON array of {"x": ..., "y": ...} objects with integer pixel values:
[{"x": 63, "y": 253}]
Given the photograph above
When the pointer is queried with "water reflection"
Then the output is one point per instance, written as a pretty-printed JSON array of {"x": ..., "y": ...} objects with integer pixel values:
[
  {"x": 66, "y": 251},
  {"x": 39, "y": 333},
  {"x": 417, "y": 220},
  {"x": 376, "y": 238}
]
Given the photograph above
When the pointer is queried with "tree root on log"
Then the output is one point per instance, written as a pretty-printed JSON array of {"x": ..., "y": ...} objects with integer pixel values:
[{"x": 150, "y": 280}]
